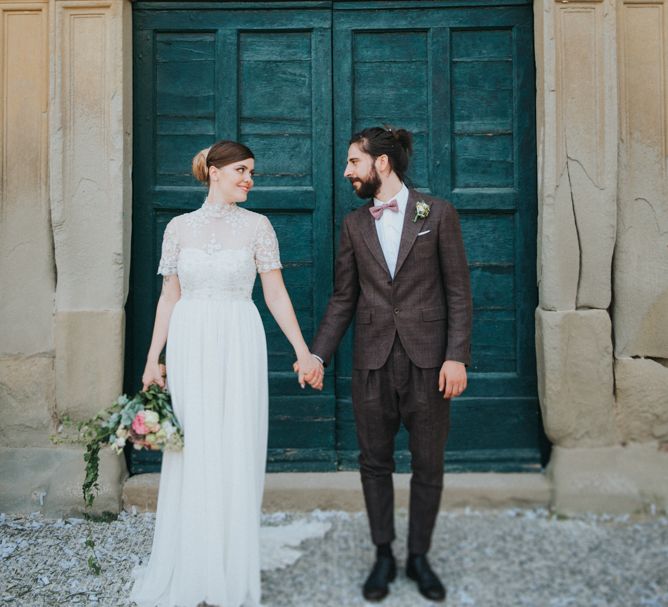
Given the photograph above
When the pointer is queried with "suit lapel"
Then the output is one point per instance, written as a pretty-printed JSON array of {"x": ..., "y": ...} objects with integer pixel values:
[
  {"x": 371, "y": 238},
  {"x": 409, "y": 231}
]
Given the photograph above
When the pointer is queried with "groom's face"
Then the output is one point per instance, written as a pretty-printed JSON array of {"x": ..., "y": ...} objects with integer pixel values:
[{"x": 362, "y": 173}]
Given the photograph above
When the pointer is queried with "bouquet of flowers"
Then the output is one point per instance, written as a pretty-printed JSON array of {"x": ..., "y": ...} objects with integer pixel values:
[{"x": 147, "y": 420}]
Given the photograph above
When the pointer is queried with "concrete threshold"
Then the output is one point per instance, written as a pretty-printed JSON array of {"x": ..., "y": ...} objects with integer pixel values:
[{"x": 306, "y": 491}]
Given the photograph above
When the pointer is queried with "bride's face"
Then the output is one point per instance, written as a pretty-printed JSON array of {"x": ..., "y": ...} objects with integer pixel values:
[{"x": 232, "y": 182}]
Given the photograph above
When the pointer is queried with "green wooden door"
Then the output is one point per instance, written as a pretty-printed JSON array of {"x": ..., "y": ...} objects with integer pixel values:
[
  {"x": 256, "y": 76},
  {"x": 460, "y": 76},
  {"x": 271, "y": 74}
]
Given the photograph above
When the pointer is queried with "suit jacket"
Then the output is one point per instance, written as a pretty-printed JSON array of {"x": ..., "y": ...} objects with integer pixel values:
[{"x": 428, "y": 303}]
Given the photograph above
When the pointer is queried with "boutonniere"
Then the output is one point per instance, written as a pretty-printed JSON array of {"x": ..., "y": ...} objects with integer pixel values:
[{"x": 421, "y": 210}]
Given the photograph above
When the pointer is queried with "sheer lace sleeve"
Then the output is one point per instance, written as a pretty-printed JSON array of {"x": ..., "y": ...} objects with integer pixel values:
[
  {"x": 265, "y": 247},
  {"x": 170, "y": 250}
]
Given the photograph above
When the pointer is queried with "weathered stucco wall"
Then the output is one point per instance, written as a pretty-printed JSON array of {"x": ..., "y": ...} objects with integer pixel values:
[
  {"x": 64, "y": 239},
  {"x": 603, "y": 244}
]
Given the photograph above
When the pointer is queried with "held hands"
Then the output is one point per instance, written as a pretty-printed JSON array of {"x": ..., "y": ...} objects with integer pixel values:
[
  {"x": 452, "y": 379},
  {"x": 310, "y": 370},
  {"x": 154, "y": 373}
]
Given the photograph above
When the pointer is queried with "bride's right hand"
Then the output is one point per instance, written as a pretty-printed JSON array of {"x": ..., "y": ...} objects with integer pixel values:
[{"x": 152, "y": 375}]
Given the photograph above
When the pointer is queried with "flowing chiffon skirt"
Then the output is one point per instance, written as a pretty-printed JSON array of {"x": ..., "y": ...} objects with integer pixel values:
[{"x": 206, "y": 540}]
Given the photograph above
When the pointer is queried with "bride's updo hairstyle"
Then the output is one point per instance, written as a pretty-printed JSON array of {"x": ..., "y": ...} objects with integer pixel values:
[
  {"x": 396, "y": 143},
  {"x": 220, "y": 154}
]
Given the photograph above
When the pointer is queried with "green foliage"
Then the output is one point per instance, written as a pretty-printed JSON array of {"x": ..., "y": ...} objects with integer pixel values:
[
  {"x": 103, "y": 517},
  {"x": 67, "y": 433},
  {"x": 94, "y": 565},
  {"x": 101, "y": 431}
]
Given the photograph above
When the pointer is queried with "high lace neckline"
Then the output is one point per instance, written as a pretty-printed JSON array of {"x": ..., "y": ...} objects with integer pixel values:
[{"x": 218, "y": 209}]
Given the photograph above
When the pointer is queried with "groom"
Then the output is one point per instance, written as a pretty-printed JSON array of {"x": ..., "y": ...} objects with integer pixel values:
[{"x": 401, "y": 270}]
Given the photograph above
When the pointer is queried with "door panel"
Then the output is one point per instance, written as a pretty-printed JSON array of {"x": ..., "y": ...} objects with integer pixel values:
[
  {"x": 258, "y": 78},
  {"x": 462, "y": 80}
]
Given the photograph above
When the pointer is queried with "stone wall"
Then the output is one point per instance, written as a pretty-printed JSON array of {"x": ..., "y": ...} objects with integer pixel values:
[
  {"x": 602, "y": 320},
  {"x": 64, "y": 239}
]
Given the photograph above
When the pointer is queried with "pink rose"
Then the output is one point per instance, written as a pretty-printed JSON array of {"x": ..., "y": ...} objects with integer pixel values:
[{"x": 138, "y": 424}]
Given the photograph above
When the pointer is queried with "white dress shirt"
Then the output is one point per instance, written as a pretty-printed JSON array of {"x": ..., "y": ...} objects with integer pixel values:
[{"x": 390, "y": 226}]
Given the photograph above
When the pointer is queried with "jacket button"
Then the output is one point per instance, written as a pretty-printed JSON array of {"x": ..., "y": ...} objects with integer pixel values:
[{"x": 396, "y": 310}]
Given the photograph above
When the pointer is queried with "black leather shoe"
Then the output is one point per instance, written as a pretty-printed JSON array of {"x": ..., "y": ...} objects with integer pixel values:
[
  {"x": 376, "y": 586},
  {"x": 430, "y": 587}
]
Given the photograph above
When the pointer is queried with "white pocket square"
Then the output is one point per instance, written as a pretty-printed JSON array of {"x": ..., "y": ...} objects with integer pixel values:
[{"x": 423, "y": 233}]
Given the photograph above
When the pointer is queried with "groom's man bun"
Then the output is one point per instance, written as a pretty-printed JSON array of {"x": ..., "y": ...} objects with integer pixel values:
[{"x": 397, "y": 144}]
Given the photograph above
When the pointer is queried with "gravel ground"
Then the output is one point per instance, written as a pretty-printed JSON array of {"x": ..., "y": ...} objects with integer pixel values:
[{"x": 512, "y": 558}]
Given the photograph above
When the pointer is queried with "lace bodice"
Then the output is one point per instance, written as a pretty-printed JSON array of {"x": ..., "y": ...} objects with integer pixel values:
[{"x": 217, "y": 251}]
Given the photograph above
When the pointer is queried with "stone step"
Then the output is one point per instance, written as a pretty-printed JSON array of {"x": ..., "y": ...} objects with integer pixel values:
[{"x": 301, "y": 492}]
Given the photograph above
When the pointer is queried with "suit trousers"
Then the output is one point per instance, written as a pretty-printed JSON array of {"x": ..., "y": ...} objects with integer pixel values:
[{"x": 400, "y": 392}]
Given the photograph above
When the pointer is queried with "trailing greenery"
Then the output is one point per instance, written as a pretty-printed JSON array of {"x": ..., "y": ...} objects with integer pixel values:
[{"x": 146, "y": 420}]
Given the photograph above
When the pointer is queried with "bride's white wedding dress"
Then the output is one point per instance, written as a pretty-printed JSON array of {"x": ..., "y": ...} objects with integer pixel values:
[{"x": 206, "y": 540}]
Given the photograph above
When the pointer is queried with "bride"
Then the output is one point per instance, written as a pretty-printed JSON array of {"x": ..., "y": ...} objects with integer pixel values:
[{"x": 206, "y": 540}]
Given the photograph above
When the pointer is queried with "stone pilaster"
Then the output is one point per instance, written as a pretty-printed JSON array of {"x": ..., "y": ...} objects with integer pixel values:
[
  {"x": 603, "y": 197},
  {"x": 27, "y": 270},
  {"x": 577, "y": 189},
  {"x": 640, "y": 310},
  {"x": 577, "y": 152},
  {"x": 90, "y": 198}
]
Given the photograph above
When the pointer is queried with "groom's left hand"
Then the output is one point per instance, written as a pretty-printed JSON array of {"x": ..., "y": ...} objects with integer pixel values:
[
  {"x": 452, "y": 379},
  {"x": 314, "y": 376}
]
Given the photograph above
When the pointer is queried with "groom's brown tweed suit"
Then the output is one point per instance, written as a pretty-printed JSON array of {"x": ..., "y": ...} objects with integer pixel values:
[{"x": 405, "y": 329}]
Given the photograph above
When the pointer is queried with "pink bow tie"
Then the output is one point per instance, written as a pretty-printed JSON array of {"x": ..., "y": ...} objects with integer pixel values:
[{"x": 377, "y": 212}]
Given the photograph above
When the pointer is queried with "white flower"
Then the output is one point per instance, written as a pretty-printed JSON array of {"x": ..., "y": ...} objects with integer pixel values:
[
  {"x": 421, "y": 210},
  {"x": 118, "y": 445},
  {"x": 168, "y": 429},
  {"x": 151, "y": 418},
  {"x": 174, "y": 442}
]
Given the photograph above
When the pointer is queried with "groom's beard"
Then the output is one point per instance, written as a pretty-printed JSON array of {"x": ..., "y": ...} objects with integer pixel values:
[{"x": 367, "y": 187}]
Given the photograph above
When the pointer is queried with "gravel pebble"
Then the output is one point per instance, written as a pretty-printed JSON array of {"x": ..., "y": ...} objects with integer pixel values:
[{"x": 513, "y": 558}]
